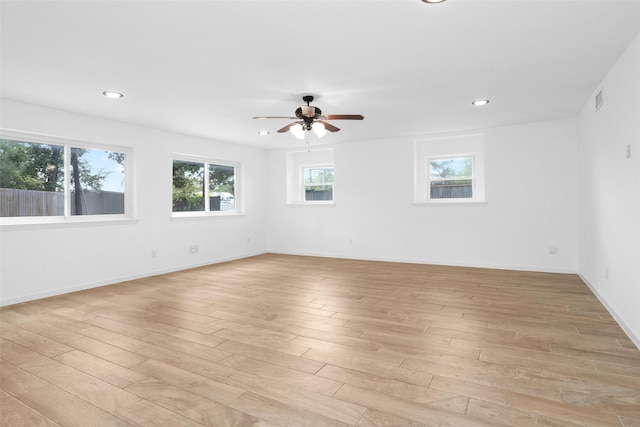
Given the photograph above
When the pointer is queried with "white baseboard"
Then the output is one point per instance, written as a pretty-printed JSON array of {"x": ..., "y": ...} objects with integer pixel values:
[
  {"x": 114, "y": 280},
  {"x": 627, "y": 330}
]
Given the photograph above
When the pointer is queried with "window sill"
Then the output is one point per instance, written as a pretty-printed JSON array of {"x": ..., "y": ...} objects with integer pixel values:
[
  {"x": 36, "y": 223},
  {"x": 180, "y": 216},
  {"x": 451, "y": 203},
  {"x": 312, "y": 204}
]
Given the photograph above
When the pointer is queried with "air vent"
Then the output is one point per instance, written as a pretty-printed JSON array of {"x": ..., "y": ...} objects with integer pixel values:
[{"x": 599, "y": 100}]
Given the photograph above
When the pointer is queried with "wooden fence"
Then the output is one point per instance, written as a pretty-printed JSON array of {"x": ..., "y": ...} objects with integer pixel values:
[
  {"x": 454, "y": 191},
  {"x": 15, "y": 203}
]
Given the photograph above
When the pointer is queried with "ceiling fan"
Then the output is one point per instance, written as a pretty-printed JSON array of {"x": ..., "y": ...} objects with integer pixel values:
[{"x": 311, "y": 118}]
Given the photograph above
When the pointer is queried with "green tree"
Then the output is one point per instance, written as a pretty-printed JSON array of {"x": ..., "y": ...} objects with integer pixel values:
[
  {"x": 222, "y": 179},
  {"x": 29, "y": 166},
  {"x": 188, "y": 186},
  {"x": 443, "y": 169}
]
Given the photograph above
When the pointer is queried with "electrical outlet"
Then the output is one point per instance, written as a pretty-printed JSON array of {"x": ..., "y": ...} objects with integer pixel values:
[
  {"x": 599, "y": 100},
  {"x": 553, "y": 250},
  {"x": 194, "y": 249},
  {"x": 628, "y": 151},
  {"x": 154, "y": 253}
]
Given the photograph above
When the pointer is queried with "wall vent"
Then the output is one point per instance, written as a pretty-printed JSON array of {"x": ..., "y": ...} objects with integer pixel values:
[{"x": 599, "y": 100}]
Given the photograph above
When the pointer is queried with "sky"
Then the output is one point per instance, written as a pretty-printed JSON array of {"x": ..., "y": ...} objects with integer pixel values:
[{"x": 99, "y": 161}]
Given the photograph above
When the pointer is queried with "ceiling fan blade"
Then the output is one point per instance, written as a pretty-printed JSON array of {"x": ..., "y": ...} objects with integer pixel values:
[
  {"x": 286, "y": 128},
  {"x": 275, "y": 117},
  {"x": 329, "y": 126},
  {"x": 344, "y": 117}
]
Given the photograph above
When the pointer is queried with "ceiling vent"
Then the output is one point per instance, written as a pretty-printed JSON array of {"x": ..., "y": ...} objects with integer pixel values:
[{"x": 599, "y": 100}]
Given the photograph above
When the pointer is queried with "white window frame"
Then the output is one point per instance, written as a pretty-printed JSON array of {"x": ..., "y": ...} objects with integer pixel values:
[
  {"x": 297, "y": 160},
  {"x": 68, "y": 219},
  {"x": 207, "y": 212},
  {"x": 451, "y": 157},
  {"x": 447, "y": 147},
  {"x": 303, "y": 194}
]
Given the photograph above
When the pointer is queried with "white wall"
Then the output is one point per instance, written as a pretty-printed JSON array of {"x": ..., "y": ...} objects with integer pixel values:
[
  {"x": 531, "y": 191},
  {"x": 41, "y": 261},
  {"x": 609, "y": 243}
]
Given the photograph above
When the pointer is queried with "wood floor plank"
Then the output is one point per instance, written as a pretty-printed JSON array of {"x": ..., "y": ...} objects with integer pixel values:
[
  {"x": 405, "y": 409},
  {"x": 68, "y": 410},
  {"x": 507, "y": 416},
  {"x": 16, "y": 381},
  {"x": 194, "y": 364},
  {"x": 36, "y": 342},
  {"x": 99, "y": 368},
  {"x": 14, "y": 413},
  {"x": 270, "y": 342},
  {"x": 189, "y": 405},
  {"x": 145, "y": 413},
  {"x": 196, "y": 384},
  {"x": 186, "y": 346},
  {"x": 25, "y": 358},
  {"x": 373, "y": 418},
  {"x": 316, "y": 383},
  {"x": 51, "y": 327},
  {"x": 336, "y": 336},
  {"x": 371, "y": 365},
  {"x": 616, "y": 368},
  {"x": 113, "y": 338},
  {"x": 281, "y": 414},
  {"x": 275, "y": 357},
  {"x": 90, "y": 389},
  {"x": 320, "y": 404},
  {"x": 397, "y": 388},
  {"x": 107, "y": 351},
  {"x": 279, "y": 340},
  {"x": 562, "y": 411}
]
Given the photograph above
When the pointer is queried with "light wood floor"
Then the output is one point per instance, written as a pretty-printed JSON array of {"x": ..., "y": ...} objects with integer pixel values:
[{"x": 279, "y": 340}]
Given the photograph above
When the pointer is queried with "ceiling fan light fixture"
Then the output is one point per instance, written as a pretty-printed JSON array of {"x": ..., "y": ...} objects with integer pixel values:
[
  {"x": 297, "y": 131},
  {"x": 319, "y": 129}
]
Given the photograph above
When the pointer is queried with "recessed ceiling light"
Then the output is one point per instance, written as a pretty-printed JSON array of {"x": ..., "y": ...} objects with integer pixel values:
[
  {"x": 112, "y": 94},
  {"x": 263, "y": 132},
  {"x": 433, "y": 1},
  {"x": 480, "y": 102}
]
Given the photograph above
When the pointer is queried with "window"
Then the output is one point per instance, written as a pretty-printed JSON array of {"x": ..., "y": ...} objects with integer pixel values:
[
  {"x": 96, "y": 181},
  {"x": 222, "y": 180},
  {"x": 450, "y": 178},
  {"x": 188, "y": 186},
  {"x": 311, "y": 177},
  {"x": 449, "y": 170},
  {"x": 190, "y": 194},
  {"x": 48, "y": 177},
  {"x": 318, "y": 183}
]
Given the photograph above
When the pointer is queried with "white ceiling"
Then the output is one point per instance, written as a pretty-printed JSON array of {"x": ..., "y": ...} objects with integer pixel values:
[{"x": 205, "y": 68}]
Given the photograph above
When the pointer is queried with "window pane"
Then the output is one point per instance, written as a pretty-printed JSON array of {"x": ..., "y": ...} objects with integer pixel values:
[
  {"x": 451, "y": 178},
  {"x": 96, "y": 182},
  {"x": 31, "y": 179},
  {"x": 222, "y": 193},
  {"x": 318, "y": 192},
  {"x": 188, "y": 186},
  {"x": 318, "y": 183}
]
